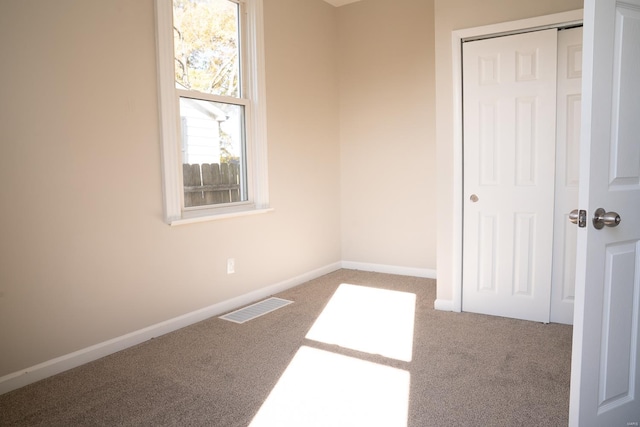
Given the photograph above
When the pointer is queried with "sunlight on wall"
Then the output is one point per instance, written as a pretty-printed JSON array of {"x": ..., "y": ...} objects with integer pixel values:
[
  {"x": 375, "y": 321},
  {"x": 321, "y": 388}
]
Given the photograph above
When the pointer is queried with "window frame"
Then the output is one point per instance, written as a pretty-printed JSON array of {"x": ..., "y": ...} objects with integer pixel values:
[{"x": 252, "y": 97}]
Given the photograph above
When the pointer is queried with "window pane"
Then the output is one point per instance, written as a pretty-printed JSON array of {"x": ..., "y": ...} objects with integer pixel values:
[
  {"x": 213, "y": 152},
  {"x": 206, "y": 44}
]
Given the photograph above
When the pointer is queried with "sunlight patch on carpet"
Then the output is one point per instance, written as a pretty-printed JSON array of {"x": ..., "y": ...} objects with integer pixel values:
[
  {"x": 321, "y": 388},
  {"x": 256, "y": 310},
  {"x": 371, "y": 320}
]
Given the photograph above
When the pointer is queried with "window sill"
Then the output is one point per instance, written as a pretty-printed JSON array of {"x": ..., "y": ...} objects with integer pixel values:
[{"x": 215, "y": 217}]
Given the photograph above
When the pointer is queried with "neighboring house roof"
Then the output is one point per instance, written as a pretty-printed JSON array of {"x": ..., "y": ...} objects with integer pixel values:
[{"x": 206, "y": 108}]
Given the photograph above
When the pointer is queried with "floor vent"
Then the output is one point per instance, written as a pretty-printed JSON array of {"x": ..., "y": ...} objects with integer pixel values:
[{"x": 256, "y": 310}]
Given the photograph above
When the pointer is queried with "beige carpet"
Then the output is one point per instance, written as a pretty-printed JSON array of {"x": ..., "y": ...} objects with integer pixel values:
[{"x": 462, "y": 369}]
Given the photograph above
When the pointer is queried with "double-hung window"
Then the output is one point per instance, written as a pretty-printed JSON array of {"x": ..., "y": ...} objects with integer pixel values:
[{"x": 212, "y": 108}]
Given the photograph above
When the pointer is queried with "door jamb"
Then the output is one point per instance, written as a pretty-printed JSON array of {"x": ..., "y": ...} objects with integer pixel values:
[{"x": 573, "y": 17}]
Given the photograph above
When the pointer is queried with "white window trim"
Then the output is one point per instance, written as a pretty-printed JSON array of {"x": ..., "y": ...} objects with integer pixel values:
[{"x": 256, "y": 122}]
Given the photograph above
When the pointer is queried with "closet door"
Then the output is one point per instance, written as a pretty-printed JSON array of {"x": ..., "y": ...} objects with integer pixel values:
[
  {"x": 509, "y": 94},
  {"x": 567, "y": 173}
]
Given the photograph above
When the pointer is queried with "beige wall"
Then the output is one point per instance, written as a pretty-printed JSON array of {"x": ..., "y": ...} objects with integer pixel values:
[
  {"x": 84, "y": 253},
  {"x": 454, "y": 15},
  {"x": 387, "y": 132},
  {"x": 354, "y": 174}
]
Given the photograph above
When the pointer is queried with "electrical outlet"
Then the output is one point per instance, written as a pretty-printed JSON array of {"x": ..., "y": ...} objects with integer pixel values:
[{"x": 231, "y": 265}]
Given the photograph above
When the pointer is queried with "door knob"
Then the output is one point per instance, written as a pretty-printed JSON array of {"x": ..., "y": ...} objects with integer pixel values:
[
  {"x": 574, "y": 215},
  {"x": 602, "y": 218}
]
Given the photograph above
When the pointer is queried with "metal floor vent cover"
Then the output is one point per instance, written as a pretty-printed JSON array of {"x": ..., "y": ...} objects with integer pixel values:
[{"x": 256, "y": 310}]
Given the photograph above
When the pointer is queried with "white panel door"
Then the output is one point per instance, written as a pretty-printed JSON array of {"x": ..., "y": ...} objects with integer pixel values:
[
  {"x": 567, "y": 173},
  {"x": 605, "y": 371},
  {"x": 509, "y": 168}
]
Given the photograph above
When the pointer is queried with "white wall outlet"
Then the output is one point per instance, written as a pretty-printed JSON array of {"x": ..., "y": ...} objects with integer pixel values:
[{"x": 231, "y": 265}]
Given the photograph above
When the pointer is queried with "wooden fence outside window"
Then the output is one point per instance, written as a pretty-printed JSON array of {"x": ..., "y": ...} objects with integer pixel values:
[{"x": 211, "y": 183}]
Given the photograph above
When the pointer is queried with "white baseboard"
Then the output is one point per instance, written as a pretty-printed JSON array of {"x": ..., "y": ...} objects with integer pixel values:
[
  {"x": 72, "y": 360},
  {"x": 63, "y": 363},
  {"x": 443, "y": 304},
  {"x": 390, "y": 269}
]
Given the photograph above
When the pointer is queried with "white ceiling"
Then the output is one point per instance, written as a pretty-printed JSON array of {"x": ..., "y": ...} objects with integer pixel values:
[{"x": 338, "y": 3}]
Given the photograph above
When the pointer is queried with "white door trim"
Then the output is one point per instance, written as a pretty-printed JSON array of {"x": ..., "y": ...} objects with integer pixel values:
[{"x": 558, "y": 19}]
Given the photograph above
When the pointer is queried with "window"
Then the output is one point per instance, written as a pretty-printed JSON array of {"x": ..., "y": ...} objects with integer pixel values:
[{"x": 212, "y": 108}]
